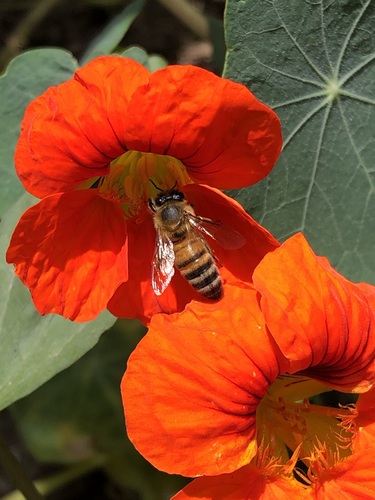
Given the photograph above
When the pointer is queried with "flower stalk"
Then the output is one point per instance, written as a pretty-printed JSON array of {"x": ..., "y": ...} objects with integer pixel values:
[{"x": 16, "y": 473}]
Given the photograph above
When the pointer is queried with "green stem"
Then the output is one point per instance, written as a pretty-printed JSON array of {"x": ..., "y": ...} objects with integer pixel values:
[
  {"x": 60, "y": 479},
  {"x": 188, "y": 15},
  {"x": 16, "y": 473}
]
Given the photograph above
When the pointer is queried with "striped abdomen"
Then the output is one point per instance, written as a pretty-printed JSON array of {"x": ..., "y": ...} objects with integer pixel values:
[{"x": 195, "y": 262}]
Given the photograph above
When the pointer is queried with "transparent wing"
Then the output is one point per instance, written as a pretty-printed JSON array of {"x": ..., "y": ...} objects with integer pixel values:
[
  {"x": 162, "y": 263},
  {"x": 225, "y": 236}
]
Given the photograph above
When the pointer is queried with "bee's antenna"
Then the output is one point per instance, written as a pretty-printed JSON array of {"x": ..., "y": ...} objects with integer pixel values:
[
  {"x": 162, "y": 190},
  {"x": 155, "y": 186}
]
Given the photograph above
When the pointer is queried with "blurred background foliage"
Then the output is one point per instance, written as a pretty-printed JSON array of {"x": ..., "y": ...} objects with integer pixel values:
[
  {"x": 69, "y": 434},
  {"x": 178, "y": 34}
]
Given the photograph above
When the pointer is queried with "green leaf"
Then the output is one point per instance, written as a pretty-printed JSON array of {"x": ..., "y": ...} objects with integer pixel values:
[
  {"x": 155, "y": 62},
  {"x": 27, "y": 76},
  {"x": 33, "y": 347},
  {"x": 314, "y": 63},
  {"x": 137, "y": 54},
  {"x": 78, "y": 415},
  {"x": 152, "y": 62},
  {"x": 113, "y": 33},
  {"x": 81, "y": 405}
]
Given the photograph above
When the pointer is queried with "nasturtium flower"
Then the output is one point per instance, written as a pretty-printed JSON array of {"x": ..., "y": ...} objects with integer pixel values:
[
  {"x": 329, "y": 479},
  {"x": 263, "y": 479},
  {"x": 94, "y": 150},
  {"x": 224, "y": 389}
]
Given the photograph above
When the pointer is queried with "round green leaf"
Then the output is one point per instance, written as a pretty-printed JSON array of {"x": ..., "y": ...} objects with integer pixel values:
[
  {"x": 152, "y": 62},
  {"x": 27, "y": 76},
  {"x": 33, "y": 347},
  {"x": 314, "y": 63},
  {"x": 137, "y": 54}
]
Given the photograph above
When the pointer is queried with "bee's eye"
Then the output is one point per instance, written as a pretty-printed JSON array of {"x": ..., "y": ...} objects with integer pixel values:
[
  {"x": 159, "y": 201},
  {"x": 178, "y": 196}
]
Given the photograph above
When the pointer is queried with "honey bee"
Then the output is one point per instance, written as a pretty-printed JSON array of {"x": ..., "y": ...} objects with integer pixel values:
[{"x": 180, "y": 243}]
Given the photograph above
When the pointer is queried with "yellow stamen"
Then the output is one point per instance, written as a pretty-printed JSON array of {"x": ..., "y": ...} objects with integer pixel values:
[{"x": 283, "y": 424}]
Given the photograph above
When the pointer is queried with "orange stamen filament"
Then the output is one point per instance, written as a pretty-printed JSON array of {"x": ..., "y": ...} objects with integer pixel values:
[
  {"x": 289, "y": 425},
  {"x": 305, "y": 406}
]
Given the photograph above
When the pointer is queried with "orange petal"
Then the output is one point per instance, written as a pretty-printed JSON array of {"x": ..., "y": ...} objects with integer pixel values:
[
  {"x": 364, "y": 436},
  {"x": 247, "y": 483},
  {"x": 323, "y": 323},
  {"x": 73, "y": 131},
  {"x": 198, "y": 376},
  {"x": 217, "y": 128},
  {"x": 353, "y": 478},
  {"x": 70, "y": 250},
  {"x": 238, "y": 264},
  {"x": 136, "y": 298}
]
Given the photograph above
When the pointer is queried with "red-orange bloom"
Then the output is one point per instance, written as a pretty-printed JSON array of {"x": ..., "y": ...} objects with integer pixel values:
[
  {"x": 352, "y": 478},
  {"x": 94, "y": 148},
  {"x": 260, "y": 481},
  {"x": 215, "y": 388}
]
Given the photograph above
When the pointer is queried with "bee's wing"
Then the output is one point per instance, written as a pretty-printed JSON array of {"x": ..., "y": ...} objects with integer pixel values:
[
  {"x": 225, "y": 236},
  {"x": 162, "y": 263}
]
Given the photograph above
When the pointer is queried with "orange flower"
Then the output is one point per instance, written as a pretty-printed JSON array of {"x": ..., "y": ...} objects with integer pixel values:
[
  {"x": 260, "y": 481},
  {"x": 352, "y": 477},
  {"x": 218, "y": 387},
  {"x": 268, "y": 480},
  {"x": 94, "y": 149}
]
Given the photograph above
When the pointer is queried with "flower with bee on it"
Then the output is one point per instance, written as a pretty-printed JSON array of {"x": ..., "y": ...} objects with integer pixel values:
[{"x": 89, "y": 149}]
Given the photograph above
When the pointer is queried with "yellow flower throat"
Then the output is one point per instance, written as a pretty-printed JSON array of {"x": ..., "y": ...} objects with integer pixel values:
[
  {"x": 285, "y": 422},
  {"x": 135, "y": 177}
]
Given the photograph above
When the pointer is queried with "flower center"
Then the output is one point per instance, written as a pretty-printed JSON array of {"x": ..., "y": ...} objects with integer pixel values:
[
  {"x": 286, "y": 423},
  {"x": 135, "y": 177}
]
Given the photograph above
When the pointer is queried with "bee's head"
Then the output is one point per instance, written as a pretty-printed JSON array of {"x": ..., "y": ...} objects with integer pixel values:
[{"x": 165, "y": 196}]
